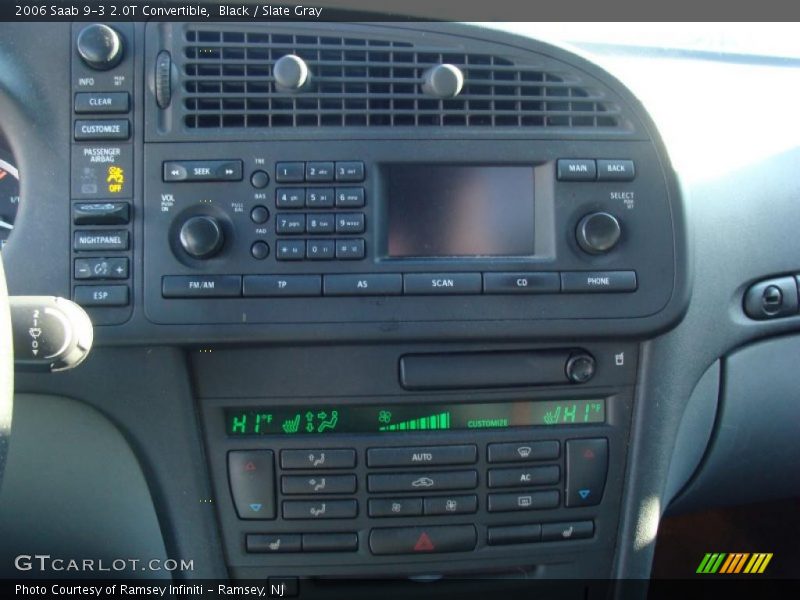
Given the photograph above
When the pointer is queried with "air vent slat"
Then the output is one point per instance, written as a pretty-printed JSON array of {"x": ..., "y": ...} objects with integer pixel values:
[{"x": 227, "y": 81}]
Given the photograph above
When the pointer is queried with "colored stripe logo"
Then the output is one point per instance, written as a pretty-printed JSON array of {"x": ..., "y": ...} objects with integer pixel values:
[{"x": 733, "y": 563}]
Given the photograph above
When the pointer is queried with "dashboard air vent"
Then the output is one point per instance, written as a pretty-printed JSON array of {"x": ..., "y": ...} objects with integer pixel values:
[{"x": 227, "y": 82}]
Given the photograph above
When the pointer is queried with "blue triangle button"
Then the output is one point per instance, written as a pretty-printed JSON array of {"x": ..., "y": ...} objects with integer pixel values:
[
  {"x": 256, "y": 507},
  {"x": 584, "y": 494}
]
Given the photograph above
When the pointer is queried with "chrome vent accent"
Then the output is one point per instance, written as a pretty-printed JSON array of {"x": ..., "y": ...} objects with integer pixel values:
[{"x": 227, "y": 82}]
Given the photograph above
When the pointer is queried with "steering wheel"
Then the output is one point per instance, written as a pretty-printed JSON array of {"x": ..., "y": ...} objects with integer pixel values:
[{"x": 6, "y": 371}]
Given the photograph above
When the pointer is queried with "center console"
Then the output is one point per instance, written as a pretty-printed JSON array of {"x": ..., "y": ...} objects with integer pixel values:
[{"x": 410, "y": 265}]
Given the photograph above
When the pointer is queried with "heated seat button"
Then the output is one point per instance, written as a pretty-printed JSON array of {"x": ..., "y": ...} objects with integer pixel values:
[
  {"x": 395, "y": 507},
  {"x": 587, "y": 463},
  {"x": 320, "y": 509},
  {"x": 273, "y": 543},
  {"x": 251, "y": 474},
  {"x": 552, "y": 532},
  {"x": 515, "y": 534},
  {"x": 422, "y": 482},
  {"x": 422, "y": 455},
  {"x": 423, "y": 540},
  {"x": 523, "y": 451},
  {"x": 330, "y": 542},
  {"x": 522, "y": 477},
  {"x": 340, "y": 458},
  {"x": 318, "y": 484},
  {"x": 523, "y": 501}
]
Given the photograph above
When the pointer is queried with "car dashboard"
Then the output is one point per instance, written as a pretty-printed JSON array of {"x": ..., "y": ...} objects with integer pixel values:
[{"x": 418, "y": 301}]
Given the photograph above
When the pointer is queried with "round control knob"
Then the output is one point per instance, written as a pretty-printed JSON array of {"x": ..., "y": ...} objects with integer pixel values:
[
  {"x": 291, "y": 72},
  {"x": 580, "y": 368},
  {"x": 598, "y": 232},
  {"x": 201, "y": 237},
  {"x": 100, "y": 47},
  {"x": 443, "y": 81}
]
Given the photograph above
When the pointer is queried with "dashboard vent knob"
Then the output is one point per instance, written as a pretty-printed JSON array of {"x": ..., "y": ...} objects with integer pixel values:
[
  {"x": 291, "y": 73},
  {"x": 100, "y": 47},
  {"x": 443, "y": 81},
  {"x": 163, "y": 80}
]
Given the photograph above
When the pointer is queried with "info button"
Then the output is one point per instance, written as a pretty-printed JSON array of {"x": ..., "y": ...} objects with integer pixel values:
[{"x": 521, "y": 283}]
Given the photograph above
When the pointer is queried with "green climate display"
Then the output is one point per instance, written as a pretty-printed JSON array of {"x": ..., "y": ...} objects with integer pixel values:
[{"x": 291, "y": 420}]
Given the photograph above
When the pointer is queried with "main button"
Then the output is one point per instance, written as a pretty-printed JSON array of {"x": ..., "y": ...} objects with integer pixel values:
[
  {"x": 202, "y": 170},
  {"x": 318, "y": 484},
  {"x": 395, "y": 507},
  {"x": 598, "y": 281},
  {"x": 252, "y": 478},
  {"x": 201, "y": 286},
  {"x": 442, "y": 283},
  {"x": 515, "y": 534},
  {"x": 523, "y": 451},
  {"x": 522, "y": 477},
  {"x": 320, "y": 509},
  {"x": 422, "y": 482},
  {"x": 521, "y": 283},
  {"x": 318, "y": 459},
  {"x": 363, "y": 285},
  {"x": 107, "y": 129},
  {"x": 523, "y": 501},
  {"x": 423, "y": 540},
  {"x": 282, "y": 285},
  {"x": 422, "y": 455},
  {"x": 576, "y": 169},
  {"x": 615, "y": 170},
  {"x": 98, "y": 102}
]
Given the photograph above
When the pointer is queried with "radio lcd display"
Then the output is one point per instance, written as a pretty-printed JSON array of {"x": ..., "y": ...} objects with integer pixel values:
[
  {"x": 290, "y": 420},
  {"x": 457, "y": 210}
]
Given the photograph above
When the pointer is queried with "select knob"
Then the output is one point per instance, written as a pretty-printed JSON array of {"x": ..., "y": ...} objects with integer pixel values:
[
  {"x": 443, "y": 81},
  {"x": 201, "y": 237},
  {"x": 291, "y": 73},
  {"x": 598, "y": 232},
  {"x": 100, "y": 47}
]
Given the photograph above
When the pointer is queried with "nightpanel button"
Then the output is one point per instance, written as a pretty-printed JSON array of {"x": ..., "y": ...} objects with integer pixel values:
[
  {"x": 423, "y": 540},
  {"x": 587, "y": 463},
  {"x": 252, "y": 478}
]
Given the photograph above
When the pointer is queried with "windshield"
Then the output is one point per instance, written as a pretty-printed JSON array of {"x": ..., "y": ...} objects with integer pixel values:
[{"x": 756, "y": 39}]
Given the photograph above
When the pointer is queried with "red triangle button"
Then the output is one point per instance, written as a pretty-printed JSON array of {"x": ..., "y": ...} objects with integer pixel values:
[
  {"x": 424, "y": 543},
  {"x": 250, "y": 466}
]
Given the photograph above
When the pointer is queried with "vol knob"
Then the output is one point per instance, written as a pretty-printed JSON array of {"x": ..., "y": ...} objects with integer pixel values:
[
  {"x": 100, "y": 47},
  {"x": 290, "y": 73},
  {"x": 202, "y": 237},
  {"x": 598, "y": 232}
]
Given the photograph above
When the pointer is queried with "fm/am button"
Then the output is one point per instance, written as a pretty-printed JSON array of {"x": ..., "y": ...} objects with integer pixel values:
[{"x": 201, "y": 286}]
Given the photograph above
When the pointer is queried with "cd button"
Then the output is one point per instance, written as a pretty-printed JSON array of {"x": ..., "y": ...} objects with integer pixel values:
[{"x": 521, "y": 283}]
